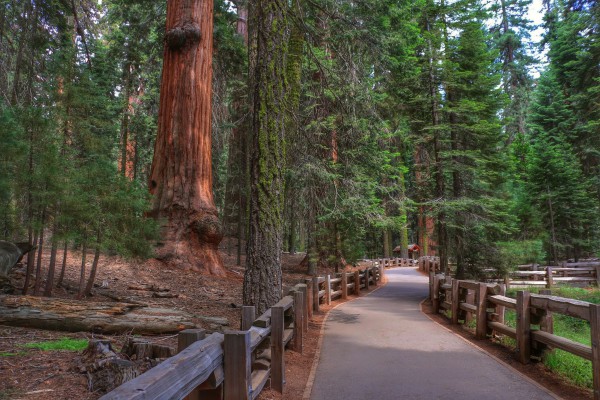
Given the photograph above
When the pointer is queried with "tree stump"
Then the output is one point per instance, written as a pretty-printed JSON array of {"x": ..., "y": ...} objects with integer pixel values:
[{"x": 104, "y": 368}]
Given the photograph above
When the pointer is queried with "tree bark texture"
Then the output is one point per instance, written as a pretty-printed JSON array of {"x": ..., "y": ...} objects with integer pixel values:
[
  {"x": 181, "y": 175},
  {"x": 268, "y": 43}
]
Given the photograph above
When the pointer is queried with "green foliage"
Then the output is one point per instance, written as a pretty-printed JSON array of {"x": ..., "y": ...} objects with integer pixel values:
[{"x": 522, "y": 252}]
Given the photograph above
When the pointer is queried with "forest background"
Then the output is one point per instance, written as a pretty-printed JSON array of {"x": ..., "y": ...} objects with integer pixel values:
[{"x": 405, "y": 122}]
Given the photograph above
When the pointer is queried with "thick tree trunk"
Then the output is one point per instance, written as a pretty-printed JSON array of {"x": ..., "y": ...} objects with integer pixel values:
[
  {"x": 76, "y": 316},
  {"x": 262, "y": 281},
  {"x": 386, "y": 243},
  {"x": 181, "y": 176}
]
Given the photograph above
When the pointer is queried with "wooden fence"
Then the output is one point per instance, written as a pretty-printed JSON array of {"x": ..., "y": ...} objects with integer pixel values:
[
  {"x": 585, "y": 272},
  {"x": 395, "y": 262},
  {"x": 537, "y": 275},
  {"x": 237, "y": 365},
  {"x": 429, "y": 264},
  {"x": 487, "y": 302}
]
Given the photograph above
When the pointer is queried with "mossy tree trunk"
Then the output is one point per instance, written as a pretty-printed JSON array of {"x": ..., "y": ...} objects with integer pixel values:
[
  {"x": 181, "y": 176},
  {"x": 268, "y": 52}
]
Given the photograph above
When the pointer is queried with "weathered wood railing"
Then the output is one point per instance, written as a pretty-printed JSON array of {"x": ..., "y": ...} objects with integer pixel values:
[
  {"x": 548, "y": 276},
  {"x": 394, "y": 262},
  {"x": 429, "y": 264},
  {"x": 487, "y": 303},
  {"x": 534, "y": 274},
  {"x": 237, "y": 365}
]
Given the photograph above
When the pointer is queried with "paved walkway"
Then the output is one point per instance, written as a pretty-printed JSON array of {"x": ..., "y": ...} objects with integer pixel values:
[{"x": 382, "y": 347}]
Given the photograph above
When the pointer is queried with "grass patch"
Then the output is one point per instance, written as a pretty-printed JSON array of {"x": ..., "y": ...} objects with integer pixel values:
[
  {"x": 570, "y": 366},
  {"x": 8, "y": 354},
  {"x": 61, "y": 344}
]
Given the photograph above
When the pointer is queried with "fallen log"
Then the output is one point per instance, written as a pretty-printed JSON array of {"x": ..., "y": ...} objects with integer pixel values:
[{"x": 76, "y": 316}]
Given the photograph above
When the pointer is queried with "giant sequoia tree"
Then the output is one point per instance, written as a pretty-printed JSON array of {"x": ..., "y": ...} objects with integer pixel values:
[{"x": 181, "y": 177}]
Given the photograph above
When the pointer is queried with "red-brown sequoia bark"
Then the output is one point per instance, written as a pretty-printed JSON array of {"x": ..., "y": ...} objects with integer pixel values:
[{"x": 181, "y": 176}]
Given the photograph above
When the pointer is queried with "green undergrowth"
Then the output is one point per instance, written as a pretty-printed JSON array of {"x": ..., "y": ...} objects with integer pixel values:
[
  {"x": 9, "y": 354},
  {"x": 61, "y": 344},
  {"x": 570, "y": 366}
]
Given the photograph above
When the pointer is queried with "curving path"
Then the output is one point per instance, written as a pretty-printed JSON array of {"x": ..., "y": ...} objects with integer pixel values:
[{"x": 382, "y": 347}]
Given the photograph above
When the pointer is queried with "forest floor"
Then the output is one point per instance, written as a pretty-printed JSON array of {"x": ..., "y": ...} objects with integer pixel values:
[
  {"x": 33, "y": 374},
  {"x": 30, "y": 373}
]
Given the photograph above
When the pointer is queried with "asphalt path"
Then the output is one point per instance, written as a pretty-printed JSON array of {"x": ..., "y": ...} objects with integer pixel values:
[{"x": 382, "y": 347}]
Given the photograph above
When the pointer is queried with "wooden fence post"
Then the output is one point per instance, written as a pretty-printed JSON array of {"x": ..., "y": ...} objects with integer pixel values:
[
  {"x": 431, "y": 275},
  {"x": 481, "y": 328},
  {"x": 344, "y": 286},
  {"x": 237, "y": 365},
  {"x": 298, "y": 321},
  {"x": 435, "y": 298},
  {"x": 523, "y": 326},
  {"x": 316, "y": 293},
  {"x": 382, "y": 273},
  {"x": 185, "y": 338},
  {"x": 469, "y": 299},
  {"x": 357, "y": 282},
  {"x": 248, "y": 317},
  {"x": 374, "y": 276},
  {"x": 367, "y": 279},
  {"x": 549, "y": 280},
  {"x": 309, "y": 297},
  {"x": 595, "y": 328},
  {"x": 598, "y": 276},
  {"x": 546, "y": 322},
  {"x": 277, "y": 349},
  {"x": 455, "y": 302},
  {"x": 188, "y": 336},
  {"x": 501, "y": 309},
  {"x": 328, "y": 289},
  {"x": 304, "y": 289}
]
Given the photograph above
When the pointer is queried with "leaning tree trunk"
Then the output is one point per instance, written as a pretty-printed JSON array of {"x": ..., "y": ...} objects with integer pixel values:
[
  {"x": 262, "y": 281},
  {"x": 181, "y": 176}
]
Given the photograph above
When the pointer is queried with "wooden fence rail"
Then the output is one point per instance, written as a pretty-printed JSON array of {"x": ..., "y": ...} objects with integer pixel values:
[
  {"x": 394, "y": 262},
  {"x": 487, "y": 303},
  {"x": 537, "y": 275},
  {"x": 237, "y": 365}
]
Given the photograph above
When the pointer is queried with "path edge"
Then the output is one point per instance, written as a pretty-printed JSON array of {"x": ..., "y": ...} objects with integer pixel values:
[
  {"x": 493, "y": 357},
  {"x": 313, "y": 369}
]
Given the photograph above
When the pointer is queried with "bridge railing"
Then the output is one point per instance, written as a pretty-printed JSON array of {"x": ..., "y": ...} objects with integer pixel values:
[
  {"x": 487, "y": 303},
  {"x": 237, "y": 365}
]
